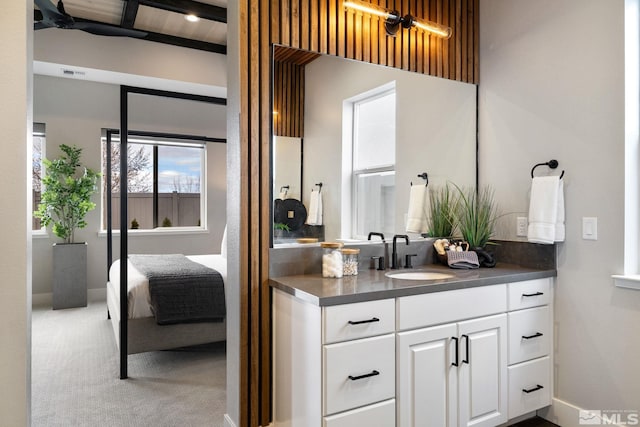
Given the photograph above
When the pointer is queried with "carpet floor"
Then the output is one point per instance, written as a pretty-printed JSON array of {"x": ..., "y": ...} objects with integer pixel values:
[{"x": 75, "y": 377}]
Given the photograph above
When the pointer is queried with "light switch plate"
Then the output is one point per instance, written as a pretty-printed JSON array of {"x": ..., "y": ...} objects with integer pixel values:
[
  {"x": 590, "y": 228},
  {"x": 521, "y": 226}
]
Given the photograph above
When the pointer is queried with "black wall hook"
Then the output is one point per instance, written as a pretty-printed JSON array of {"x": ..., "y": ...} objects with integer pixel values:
[
  {"x": 319, "y": 185},
  {"x": 552, "y": 165}
]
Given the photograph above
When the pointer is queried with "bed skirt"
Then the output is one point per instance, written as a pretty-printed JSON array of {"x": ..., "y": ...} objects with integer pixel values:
[{"x": 145, "y": 335}]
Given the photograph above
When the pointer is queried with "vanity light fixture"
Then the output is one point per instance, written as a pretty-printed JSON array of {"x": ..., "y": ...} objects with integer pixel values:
[
  {"x": 191, "y": 18},
  {"x": 393, "y": 19}
]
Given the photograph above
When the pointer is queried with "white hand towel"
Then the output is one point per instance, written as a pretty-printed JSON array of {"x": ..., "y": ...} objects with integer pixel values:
[
  {"x": 543, "y": 209},
  {"x": 560, "y": 218},
  {"x": 314, "y": 214},
  {"x": 417, "y": 213}
]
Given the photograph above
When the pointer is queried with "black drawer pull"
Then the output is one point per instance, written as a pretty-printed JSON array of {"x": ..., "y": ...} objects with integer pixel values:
[
  {"x": 359, "y": 377},
  {"x": 466, "y": 350},
  {"x": 456, "y": 363},
  {"x": 360, "y": 322},
  {"x": 528, "y": 337},
  {"x": 531, "y": 390},
  {"x": 537, "y": 294}
]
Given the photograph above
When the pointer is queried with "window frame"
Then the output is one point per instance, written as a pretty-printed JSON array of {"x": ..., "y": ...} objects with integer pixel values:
[
  {"x": 153, "y": 139},
  {"x": 39, "y": 131},
  {"x": 353, "y": 105}
]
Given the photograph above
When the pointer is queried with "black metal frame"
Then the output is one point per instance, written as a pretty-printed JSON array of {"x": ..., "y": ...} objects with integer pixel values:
[{"x": 124, "y": 243}]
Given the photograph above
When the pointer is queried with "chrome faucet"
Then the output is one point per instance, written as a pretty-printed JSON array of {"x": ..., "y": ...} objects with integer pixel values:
[
  {"x": 380, "y": 259},
  {"x": 394, "y": 254}
]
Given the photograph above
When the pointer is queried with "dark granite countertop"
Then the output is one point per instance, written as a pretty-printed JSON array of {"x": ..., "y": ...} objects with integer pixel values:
[{"x": 371, "y": 285}]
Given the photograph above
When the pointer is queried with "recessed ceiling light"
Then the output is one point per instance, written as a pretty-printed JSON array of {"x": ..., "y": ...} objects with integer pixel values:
[{"x": 191, "y": 18}]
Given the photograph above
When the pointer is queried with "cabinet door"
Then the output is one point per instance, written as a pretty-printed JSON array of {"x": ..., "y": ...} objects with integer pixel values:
[
  {"x": 482, "y": 382},
  {"x": 426, "y": 391}
]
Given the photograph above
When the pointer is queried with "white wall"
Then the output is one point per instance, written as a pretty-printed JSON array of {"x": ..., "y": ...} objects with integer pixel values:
[
  {"x": 74, "y": 112},
  {"x": 552, "y": 76},
  {"x": 15, "y": 255},
  {"x": 435, "y": 131},
  {"x": 132, "y": 56}
]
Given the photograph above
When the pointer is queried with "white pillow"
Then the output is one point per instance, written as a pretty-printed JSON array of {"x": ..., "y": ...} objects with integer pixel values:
[{"x": 223, "y": 245}]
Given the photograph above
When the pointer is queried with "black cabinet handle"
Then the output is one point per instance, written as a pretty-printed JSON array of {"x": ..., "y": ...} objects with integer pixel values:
[
  {"x": 537, "y": 294},
  {"x": 359, "y": 322},
  {"x": 359, "y": 377},
  {"x": 528, "y": 337},
  {"x": 531, "y": 390},
  {"x": 456, "y": 362},
  {"x": 466, "y": 350}
]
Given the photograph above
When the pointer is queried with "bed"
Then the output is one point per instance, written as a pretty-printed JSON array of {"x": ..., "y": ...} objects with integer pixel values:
[{"x": 143, "y": 333}]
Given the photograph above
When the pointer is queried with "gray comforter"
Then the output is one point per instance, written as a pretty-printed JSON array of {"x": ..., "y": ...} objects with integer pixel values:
[{"x": 182, "y": 291}]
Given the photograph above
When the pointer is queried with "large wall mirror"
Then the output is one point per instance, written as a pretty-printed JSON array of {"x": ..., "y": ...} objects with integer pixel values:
[{"x": 368, "y": 131}]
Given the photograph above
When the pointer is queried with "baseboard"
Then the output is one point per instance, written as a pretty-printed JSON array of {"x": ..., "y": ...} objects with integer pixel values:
[
  {"x": 46, "y": 299},
  {"x": 228, "y": 422},
  {"x": 567, "y": 415}
]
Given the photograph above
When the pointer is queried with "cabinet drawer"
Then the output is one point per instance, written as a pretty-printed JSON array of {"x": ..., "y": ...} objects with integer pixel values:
[
  {"x": 532, "y": 377},
  {"x": 359, "y": 320},
  {"x": 530, "y": 293},
  {"x": 381, "y": 414},
  {"x": 418, "y": 311},
  {"x": 529, "y": 334},
  {"x": 357, "y": 373}
]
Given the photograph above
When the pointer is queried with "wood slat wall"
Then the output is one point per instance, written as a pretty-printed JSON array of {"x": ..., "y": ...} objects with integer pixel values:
[
  {"x": 321, "y": 26},
  {"x": 288, "y": 99}
]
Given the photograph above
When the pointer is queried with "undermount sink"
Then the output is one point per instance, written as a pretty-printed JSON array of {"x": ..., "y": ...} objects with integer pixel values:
[{"x": 418, "y": 275}]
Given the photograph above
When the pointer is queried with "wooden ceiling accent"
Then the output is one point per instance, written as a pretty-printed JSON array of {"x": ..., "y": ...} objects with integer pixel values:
[
  {"x": 298, "y": 57},
  {"x": 321, "y": 26},
  {"x": 209, "y": 34}
]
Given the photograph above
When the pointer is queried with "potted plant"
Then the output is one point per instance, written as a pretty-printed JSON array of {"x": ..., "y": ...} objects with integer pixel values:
[
  {"x": 65, "y": 201},
  {"x": 442, "y": 218},
  {"x": 476, "y": 214}
]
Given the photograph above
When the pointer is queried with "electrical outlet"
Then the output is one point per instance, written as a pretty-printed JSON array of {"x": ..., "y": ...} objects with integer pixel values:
[{"x": 521, "y": 226}]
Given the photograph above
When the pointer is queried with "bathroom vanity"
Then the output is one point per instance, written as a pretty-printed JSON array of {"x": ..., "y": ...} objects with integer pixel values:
[{"x": 370, "y": 350}]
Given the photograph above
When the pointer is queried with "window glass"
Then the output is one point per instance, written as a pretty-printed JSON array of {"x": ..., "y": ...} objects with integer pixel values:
[
  {"x": 37, "y": 167},
  {"x": 373, "y": 179},
  {"x": 375, "y": 132},
  {"x": 165, "y": 183}
]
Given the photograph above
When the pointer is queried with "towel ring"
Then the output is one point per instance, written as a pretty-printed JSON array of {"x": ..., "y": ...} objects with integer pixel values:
[
  {"x": 424, "y": 176},
  {"x": 551, "y": 163}
]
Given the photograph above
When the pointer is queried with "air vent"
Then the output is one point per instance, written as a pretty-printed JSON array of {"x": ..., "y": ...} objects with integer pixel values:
[{"x": 73, "y": 73}]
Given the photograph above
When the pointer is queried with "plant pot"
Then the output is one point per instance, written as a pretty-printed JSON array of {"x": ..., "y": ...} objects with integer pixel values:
[
  {"x": 485, "y": 258},
  {"x": 69, "y": 275}
]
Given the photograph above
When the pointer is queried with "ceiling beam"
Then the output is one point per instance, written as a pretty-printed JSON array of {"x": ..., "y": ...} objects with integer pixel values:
[
  {"x": 129, "y": 14},
  {"x": 173, "y": 40},
  {"x": 203, "y": 11},
  {"x": 188, "y": 43}
]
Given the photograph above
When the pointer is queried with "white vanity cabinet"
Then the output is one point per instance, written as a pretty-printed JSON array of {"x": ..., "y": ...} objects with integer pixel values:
[
  {"x": 334, "y": 366},
  {"x": 530, "y": 346},
  {"x": 454, "y": 374},
  {"x": 476, "y": 356}
]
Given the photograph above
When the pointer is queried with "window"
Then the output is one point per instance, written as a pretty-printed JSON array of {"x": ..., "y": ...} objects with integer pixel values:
[
  {"x": 37, "y": 167},
  {"x": 165, "y": 181},
  {"x": 373, "y": 179}
]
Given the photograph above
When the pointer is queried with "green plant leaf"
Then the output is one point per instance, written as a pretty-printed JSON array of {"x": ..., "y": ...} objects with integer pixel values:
[{"x": 66, "y": 196}]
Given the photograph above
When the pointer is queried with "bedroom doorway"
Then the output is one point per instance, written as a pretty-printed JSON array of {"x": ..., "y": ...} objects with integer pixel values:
[{"x": 159, "y": 371}]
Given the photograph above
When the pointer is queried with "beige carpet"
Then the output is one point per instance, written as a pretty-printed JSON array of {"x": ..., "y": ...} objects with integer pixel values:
[{"x": 75, "y": 377}]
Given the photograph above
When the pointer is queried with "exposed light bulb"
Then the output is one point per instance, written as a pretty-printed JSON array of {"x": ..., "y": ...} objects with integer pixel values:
[
  {"x": 191, "y": 18},
  {"x": 367, "y": 8},
  {"x": 432, "y": 27},
  {"x": 393, "y": 20}
]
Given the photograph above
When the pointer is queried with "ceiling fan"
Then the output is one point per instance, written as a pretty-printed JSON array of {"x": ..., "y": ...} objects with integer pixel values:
[{"x": 50, "y": 16}]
